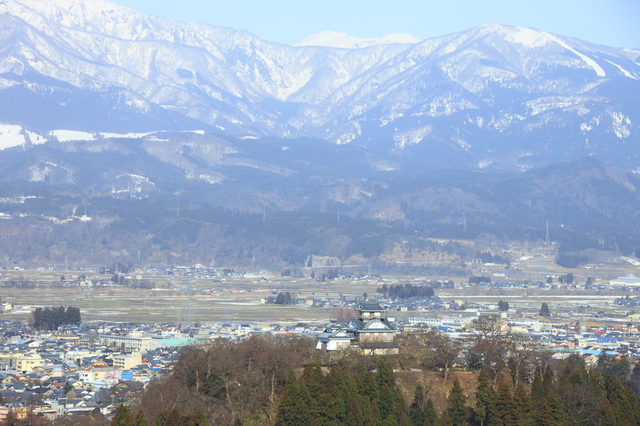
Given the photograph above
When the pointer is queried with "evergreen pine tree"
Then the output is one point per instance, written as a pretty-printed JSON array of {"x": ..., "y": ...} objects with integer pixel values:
[
  {"x": 607, "y": 416},
  {"x": 551, "y": 412},
  {"x": 597, "y": 383},
  {"x": 523, "y": 406},
  {"x": 456, "y": 407},
  {"x": 122, "y": 417},
  {"x": 174, "y": 418},
  {"x": 404, "y": 420},
  {"x": 445, "y": 420},
  {"x": 603, "y": 364},
  {"x": 386, "y": 389},
  {"x": 333, "y": 408},
  {"x": 375, "y": 418},
  {"x": 430, "y": 414},
  {"x": 390, "y": 421},
  {"x": 544, "y": 310},
  {"x": 416, "y": 410},
  {"x": 354, "y": 413},
  {"x": 537, "y": 388},
  {"x": 140, "y": 419},
  {"x": 288, "y": 407},
  {"x": 503, "y": 413},
  {"x": 199, "y": 419},
  {"x": 337, "y": 388},
  {"x": 547, "y": 380},
  {"x": 365, "y": 407},
  {"x": 486, "y": 398},
  {"x": 161, "y": 418},
  {"x": 634, "y": 380},
  {"x": 313, "y": 378},
  {"x": 621, "y": 399}
]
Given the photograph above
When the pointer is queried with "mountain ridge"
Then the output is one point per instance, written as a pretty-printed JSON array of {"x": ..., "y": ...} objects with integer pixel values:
[
  {"x": 344, "y": 41},
  {"x": 479, "y": 97}
]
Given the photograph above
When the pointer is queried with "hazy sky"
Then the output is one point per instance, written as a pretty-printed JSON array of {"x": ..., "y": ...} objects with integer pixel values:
[{"x": 611, "y": 22}]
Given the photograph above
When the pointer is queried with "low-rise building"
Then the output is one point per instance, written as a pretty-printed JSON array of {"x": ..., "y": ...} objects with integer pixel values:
[
  {"x": 26, "y": 362},
  {"x": 127, "y": 361}
]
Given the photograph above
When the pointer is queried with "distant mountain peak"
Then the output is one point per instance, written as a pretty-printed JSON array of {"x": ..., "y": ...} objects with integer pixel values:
[
  {"x": 345, "y": 41},
  {"x": 495, "y": 95}
]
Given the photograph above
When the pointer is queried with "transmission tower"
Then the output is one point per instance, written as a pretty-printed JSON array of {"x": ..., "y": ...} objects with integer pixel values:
[{"x": 546, "y": 237}]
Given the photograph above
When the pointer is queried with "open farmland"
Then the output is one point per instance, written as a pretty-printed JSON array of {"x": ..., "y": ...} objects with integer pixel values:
[
  {"x": 234, "y": 300},
  {"x": 183, "y": 298}
]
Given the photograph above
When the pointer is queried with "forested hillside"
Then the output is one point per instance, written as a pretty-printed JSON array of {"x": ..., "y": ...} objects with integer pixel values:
[
  {"x": 265, "y": 221},
  {"x": 288, "y": 382}
]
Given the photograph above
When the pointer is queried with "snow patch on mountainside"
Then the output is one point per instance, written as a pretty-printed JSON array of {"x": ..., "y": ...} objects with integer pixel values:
[
  {"x": 411, "y": 137},
  {"x": 10, "y": 136},
  {"x": 71, "y": 135},
  {"x": 346, "y": 41},
  {"x": 593, "y": 64},
  {"x": 124, "y": 135},
  {"x": 35, "y": 138},
  {"x": 526, "y": 36},
  {"x": 540, "y": 105},
  {"x": 74, "y": 135},
  {"x": 622, "y": 70},
  {"x": 621, "y": 125},
  {"x": 45, "y": 170}
]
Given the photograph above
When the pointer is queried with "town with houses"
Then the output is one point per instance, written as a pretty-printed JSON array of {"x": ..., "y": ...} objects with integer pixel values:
[{"x": 94, "y": 367}]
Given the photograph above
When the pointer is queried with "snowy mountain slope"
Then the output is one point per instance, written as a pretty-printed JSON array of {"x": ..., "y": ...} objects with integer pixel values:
[
  {"x": 345, "y": 41},
  {"x": 480, "y": 95}
]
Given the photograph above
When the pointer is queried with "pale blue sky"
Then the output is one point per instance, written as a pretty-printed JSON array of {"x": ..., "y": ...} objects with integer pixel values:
[{"x": 611, "y": 22}]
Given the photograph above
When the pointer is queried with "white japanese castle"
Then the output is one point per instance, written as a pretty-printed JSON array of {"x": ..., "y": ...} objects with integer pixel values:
[{"x": 369, "y": 332}]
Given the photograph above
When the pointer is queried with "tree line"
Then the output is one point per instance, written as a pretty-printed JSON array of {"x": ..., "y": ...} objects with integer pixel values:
[
  {"x": 405, "y": 291},
  {"x": 283, "y": 298},
  {"x": 487, "y": 257},
  {"x": 52, "y": 318},
  {"x": 19, "y": 283}
]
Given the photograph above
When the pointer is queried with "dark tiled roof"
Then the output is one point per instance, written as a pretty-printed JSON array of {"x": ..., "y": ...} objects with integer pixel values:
[{"x": 369, "y": 307}]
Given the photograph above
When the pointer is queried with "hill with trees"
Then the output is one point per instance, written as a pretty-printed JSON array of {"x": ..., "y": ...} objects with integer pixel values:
[{"x": 287, "y": 382}]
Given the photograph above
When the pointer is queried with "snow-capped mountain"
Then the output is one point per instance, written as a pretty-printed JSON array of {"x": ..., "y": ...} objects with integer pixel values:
[
  {"x": 345, "y": 41},
  {"x": 493, "y": 95}
]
